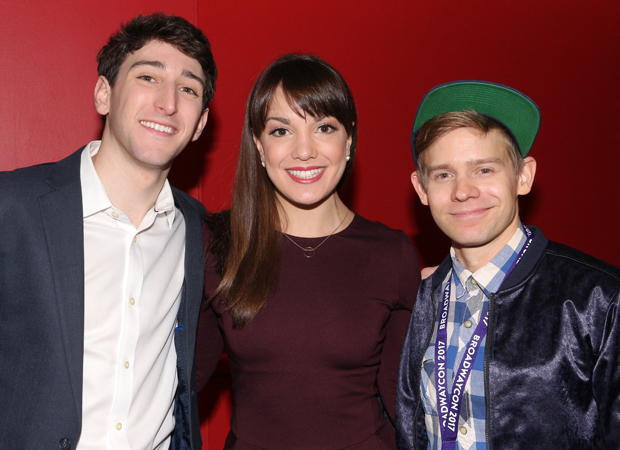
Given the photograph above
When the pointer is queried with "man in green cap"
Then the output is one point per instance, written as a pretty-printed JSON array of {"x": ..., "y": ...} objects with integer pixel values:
[{"x": 514, "y": 342}]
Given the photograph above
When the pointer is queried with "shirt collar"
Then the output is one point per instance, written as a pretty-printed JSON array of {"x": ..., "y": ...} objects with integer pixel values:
[
  {"x": 94, "y": 196},
  {"x": 493, "y": 273},
  {"x": 165, "y": 203}
]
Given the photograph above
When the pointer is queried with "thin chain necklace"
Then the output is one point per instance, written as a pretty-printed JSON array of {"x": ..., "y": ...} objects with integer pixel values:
[{"x": 309, "y": 251}]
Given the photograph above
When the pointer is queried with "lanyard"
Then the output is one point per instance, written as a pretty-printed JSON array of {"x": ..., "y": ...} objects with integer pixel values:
[{"x": 449, "y": 403}]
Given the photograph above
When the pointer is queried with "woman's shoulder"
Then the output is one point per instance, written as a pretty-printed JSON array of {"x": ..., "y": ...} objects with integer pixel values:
[{"x": 371, "y": 228}]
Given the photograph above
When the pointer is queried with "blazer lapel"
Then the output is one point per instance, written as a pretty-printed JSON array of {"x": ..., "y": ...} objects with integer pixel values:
[{"x": 62, "y": 215}]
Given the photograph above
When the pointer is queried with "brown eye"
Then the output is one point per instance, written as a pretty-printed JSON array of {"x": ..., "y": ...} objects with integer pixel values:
[
  {"x": 279, "y": 132},
  {"x": 189, "y": 90}
]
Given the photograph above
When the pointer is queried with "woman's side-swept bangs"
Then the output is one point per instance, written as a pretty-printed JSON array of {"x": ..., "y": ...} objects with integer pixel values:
[{"x": 310, "y": 86}]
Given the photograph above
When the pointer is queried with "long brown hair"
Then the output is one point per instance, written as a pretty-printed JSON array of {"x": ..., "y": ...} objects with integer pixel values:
[{"x": 247, "y": 240}]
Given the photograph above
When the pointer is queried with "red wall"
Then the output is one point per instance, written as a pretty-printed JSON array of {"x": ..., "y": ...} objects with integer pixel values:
[
  {"x": 565, "y": 55},
  {"x": 566, "y": 58}
]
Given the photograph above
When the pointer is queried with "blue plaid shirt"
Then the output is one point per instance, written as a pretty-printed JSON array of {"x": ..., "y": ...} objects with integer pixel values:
[{"x": 466, "y": 308}]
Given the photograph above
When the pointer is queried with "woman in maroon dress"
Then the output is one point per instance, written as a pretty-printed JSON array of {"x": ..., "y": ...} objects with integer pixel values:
[{"x": 312, "y": 300}]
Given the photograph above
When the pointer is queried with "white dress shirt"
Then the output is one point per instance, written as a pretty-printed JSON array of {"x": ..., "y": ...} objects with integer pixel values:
[{"x": 133, "y": 283}]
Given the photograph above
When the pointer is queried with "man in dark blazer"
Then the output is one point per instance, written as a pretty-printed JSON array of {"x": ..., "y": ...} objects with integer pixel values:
[{"x": 101, "y": 268}]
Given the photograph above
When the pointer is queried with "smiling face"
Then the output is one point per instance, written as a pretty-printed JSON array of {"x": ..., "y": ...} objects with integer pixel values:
[
  {"x": 472, "y": 190},
  {"x": 155, "y": 107},
  {"x": 304, "y": 157}
]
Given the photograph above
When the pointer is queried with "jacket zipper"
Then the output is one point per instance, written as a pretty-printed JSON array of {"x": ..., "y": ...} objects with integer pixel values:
[
  {"x": 428, "y": 341},
  {"x": 486, "y": 374}
]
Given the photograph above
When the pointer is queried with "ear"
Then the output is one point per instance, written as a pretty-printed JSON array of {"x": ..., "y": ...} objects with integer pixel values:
[
  {"x": 349, "y": 140},
  {"x": 526, "y": 176},
  {"x": 419, "y": 188},
  {"x": 259, "y": 146},
  {"x": 201, "y": 124},
  {"x": 102, "y": 95}
]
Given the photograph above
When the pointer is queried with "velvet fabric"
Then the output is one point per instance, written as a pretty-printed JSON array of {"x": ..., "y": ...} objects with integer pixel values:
[{"x": 552, "y": 375}]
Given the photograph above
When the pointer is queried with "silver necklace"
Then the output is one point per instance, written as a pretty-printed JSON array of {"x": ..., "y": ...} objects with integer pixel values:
[{"x": 309, "y": 251}]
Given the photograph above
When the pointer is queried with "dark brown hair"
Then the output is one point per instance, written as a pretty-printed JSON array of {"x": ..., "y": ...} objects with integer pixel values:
[
  {"x": 437, "y": 127},
  {"x": 172, "y": 30},
  {"x": 247, "y": 240}
]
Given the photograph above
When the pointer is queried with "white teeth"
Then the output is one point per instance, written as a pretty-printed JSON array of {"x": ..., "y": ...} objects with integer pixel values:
[
  {"x": 157, "y": 127},
  {"x": 306, "y": 174}
]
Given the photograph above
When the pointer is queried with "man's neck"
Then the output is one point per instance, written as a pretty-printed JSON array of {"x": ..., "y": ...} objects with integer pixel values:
[
  {"x": 474, "y": 258},
  {"x": 130, "y": 188}
]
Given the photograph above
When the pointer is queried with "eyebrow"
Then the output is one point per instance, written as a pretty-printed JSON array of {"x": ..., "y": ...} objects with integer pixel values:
[
  {"x": 156, "y": 64},
  {"x": 191, "y": 75},
  {"x": 473, "y": 162},
  {"x": 161, "y": 65},
  {"x": 288, "y": 122},
  {"x": 478, "y": 162},
  {"x": 284, "y": 120}
]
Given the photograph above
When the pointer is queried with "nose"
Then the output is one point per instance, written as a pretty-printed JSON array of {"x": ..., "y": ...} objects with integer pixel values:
[
  {"x": 166, "y": 100},
  {"x": 464, "y": 189},
  {"x": 304, "y": 147}
]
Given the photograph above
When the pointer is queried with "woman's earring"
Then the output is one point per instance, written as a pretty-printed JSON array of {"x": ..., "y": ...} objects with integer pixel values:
[
  {"x": 348, "y": 157},
  {"x": 262, "y": 163}
]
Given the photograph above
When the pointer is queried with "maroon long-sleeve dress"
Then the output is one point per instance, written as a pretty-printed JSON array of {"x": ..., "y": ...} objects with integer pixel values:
[{"x": 307, "y": 369}]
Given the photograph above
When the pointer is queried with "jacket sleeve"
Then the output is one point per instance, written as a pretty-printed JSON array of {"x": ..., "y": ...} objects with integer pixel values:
[
  {"x": 405, "y": 396},
  {"x": 606, "y": 380},
  {"x": 409, "y": 434}
]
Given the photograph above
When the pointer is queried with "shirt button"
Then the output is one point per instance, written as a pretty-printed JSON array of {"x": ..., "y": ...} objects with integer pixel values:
[
  {"x": 115, "y": 214},
  {"x": 474, "y": 282},
  {"x": 468, "y": 323},
  {"x": 126, "y": 364},
  {"x": 463, "y": 430},
  {"x": 132, "y": 301},
  {"x": 119, "y": 426},
  {"x": 135, "y": 239}
]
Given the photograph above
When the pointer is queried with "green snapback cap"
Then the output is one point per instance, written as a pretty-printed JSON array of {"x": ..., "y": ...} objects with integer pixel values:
[{"x": 513, "y": 109}]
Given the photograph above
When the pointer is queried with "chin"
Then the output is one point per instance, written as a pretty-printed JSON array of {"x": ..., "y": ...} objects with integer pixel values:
[
  {"x": 304, "y": 202},
  {"x": 468, "y": 239}
]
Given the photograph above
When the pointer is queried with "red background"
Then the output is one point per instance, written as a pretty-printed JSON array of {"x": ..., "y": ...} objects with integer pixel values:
[{"x": 564, "y": 55}]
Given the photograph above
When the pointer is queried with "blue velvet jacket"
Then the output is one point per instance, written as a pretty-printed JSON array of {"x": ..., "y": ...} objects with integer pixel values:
[{"x": 552, "y": 356}]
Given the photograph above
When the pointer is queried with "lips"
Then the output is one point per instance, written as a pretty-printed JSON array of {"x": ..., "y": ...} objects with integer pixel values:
[
  {"x": 158, "y": 127},
  {"x": 472, "y": 213},
  {"x": 305, "y": 175}
]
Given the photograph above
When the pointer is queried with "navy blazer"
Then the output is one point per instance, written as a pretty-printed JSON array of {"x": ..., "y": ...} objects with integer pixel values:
[{"x": 42, "y": 309}]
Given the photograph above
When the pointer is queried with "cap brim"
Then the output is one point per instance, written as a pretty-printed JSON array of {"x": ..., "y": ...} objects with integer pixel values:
[{"x": 516, "y": 111}]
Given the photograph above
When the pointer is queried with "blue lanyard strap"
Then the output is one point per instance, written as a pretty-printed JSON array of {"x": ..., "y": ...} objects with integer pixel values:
[{"x": 449, "y": 403}]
